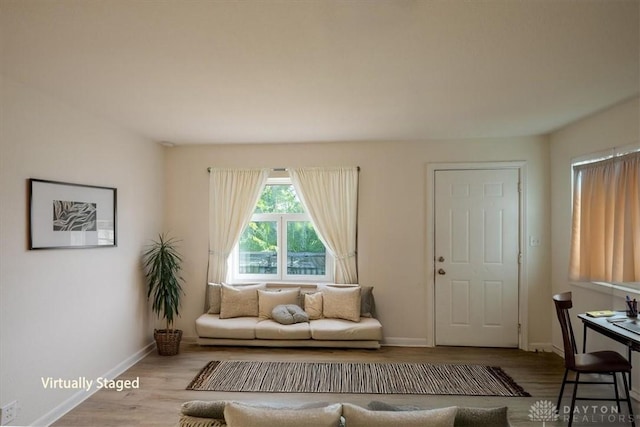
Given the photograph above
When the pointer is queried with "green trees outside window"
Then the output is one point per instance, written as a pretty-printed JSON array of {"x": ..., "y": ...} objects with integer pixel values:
[{"x": 280, "y": 225}]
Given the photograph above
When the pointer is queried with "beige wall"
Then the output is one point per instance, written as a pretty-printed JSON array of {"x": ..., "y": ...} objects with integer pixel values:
[
  {"x": 74, "y": 312},
  {"x": 392, "y": 231},
  {"x": 615, "y": 127}
]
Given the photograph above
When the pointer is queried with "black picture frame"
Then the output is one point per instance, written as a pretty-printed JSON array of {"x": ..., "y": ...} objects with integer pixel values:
[{"x": 64, "y": 215}]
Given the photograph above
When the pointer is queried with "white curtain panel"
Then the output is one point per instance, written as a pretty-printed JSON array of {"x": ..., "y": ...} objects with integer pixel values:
[
  {"x": 233, "y": 194},
  {"x": 330, "y": 196}
]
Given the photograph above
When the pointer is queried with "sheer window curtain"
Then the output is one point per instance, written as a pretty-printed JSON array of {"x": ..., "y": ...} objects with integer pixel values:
[
  {"x": 233, "y": 194},
  {"x": 605, "y": 240},
  {"x": 330, "y": 196}
]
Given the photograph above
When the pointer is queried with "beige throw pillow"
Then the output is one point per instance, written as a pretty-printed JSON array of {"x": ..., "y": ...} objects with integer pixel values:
[
  {"x": 239, "y": 301},
  {"x": 268, "y": 300},
  {"x": 341, "y": 303},
  {"x": 367, "y": 306},
  {"x": 360, "y": 417},
  {"x": 313, "y": 305},
  {"x": 239, "y": 415}
]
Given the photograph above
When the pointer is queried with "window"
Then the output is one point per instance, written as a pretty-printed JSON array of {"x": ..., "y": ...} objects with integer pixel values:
[
  {"x": 280, "y": 242},
  {"x": 605, "y": 241}
]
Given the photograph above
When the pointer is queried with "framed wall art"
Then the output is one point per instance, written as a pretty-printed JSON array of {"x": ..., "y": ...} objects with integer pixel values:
[{"x": 65, "y": 215}]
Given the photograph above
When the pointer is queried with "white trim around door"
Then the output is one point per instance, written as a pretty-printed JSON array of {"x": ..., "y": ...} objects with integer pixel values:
[{"x": 430, "y": 239}]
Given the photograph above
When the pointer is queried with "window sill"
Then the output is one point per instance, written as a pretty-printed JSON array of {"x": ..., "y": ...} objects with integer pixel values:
[
  {"x": 278, "y": 284},
  {"x": 614, "y": 288}
]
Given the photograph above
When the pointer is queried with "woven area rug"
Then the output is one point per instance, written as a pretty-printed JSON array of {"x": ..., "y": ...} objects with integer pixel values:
[{"x": 357, "y": 378}]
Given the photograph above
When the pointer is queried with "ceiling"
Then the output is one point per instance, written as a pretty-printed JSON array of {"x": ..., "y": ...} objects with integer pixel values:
[{"x": 326, "y": 70}]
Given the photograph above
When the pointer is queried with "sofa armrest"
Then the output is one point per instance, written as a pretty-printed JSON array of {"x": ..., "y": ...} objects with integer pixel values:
[
  {"x": 204, "y": 409},
  {"x": 189, "y": 421}
]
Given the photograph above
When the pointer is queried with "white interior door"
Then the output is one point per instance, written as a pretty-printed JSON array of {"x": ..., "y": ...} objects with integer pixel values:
[{"x": 476, "y": 257}]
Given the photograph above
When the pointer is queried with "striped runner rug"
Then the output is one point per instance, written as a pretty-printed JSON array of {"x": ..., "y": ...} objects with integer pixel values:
[{"x": 357, "y": 378}]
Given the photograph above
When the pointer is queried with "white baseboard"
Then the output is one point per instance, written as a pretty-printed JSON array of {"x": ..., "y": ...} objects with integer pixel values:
[
  {"x": 545, "y": 347},
  {"x": 559, "y": 351},
  {"x": 189, "y": 339},
  {"x": 422, "y": 342},
  {"x": 404, "y": 342},
  {"x": 79, "y": 397}
]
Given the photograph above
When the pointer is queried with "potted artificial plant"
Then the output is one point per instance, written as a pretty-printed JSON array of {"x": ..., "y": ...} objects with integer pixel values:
[{"x": 162, "y": 265}]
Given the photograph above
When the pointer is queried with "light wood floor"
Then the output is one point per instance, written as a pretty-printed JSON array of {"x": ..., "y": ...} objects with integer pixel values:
[{"x": 163, "y": 381}]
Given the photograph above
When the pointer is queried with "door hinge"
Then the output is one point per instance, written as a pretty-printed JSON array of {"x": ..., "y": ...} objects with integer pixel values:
[
  {"x": 519, "y": 327},
  {"x": 519, "y": 257},
  {"x": 519, "y": 187}
]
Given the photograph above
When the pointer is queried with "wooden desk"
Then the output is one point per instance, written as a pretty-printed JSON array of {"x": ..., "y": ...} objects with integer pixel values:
[{"x": 601, "y": 325}]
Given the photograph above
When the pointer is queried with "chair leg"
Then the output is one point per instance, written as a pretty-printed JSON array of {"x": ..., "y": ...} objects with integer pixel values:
[
  {"x": 627, "y": 391},
  {"x": 564, "y": 382},
  {"x": 573, "y": 398},
  {"x": 615, "y": 389}
]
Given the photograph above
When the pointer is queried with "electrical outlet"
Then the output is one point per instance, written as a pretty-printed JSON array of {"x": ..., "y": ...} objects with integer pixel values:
[
  {"x": 9, "y": 412},
  {"x": 534, "y": 241}
]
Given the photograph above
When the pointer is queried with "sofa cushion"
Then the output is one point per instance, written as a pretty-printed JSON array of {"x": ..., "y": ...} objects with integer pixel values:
[
  {"x": 465, "y": 417},
  {"x": 288, "y": 314},
  {"x": 239, "y": 301},
  {"x": 212, "y": 326},
  {"x": 376, "y": 405},
  {"x": 313, "y": 305},
  {"x": 339, "y": 329},
  {"x": 239, "y": 415},
  {"x": 360, "y": 417},
  {"x": 268, "y": 300},
  {"x": 482, "y": 417},
  {"x": 341, "y": 303},
  {"x": 272, "y": 330}
]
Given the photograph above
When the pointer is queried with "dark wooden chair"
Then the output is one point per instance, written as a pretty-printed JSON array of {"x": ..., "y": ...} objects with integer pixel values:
[{"x": 597, "y": 362}]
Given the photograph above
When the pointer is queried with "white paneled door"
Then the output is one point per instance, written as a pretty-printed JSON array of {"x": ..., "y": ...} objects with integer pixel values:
[{"x": 476, "y": 257}]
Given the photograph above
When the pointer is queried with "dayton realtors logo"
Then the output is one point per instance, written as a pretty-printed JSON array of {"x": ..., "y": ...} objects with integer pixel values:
[{"x": 544, "y": 410}]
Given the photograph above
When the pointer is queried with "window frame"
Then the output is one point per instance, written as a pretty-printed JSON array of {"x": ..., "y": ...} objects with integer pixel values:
[
  {"x": 281, "y": 220},
  {"x": 594, "y": 157}
]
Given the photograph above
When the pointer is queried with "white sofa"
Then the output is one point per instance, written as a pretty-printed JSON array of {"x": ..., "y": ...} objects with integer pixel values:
[{"x": 339, "y": 316}]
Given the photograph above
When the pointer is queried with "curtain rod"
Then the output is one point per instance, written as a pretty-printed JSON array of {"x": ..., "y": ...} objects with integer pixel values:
[{"x": 274, "y": 169}]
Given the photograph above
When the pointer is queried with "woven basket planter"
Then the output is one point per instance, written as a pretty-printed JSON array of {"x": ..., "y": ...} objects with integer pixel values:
[{"x": 167, "y": 341}]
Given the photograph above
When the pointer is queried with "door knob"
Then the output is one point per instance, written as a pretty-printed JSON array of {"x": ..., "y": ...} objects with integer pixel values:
[
  {"x": 442, "y": 272},
  {"x": 441, "y": 259}
]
